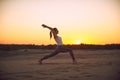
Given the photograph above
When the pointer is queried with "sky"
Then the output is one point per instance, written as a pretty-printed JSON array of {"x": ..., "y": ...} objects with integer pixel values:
[{"x": 78, "y": 21}]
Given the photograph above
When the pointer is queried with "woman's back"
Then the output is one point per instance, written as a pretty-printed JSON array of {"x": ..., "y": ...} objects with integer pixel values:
[{"x": 58, "y": 40}]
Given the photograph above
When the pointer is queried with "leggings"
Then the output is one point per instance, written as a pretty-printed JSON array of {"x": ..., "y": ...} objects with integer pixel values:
[{"x": 58, "y": 50}]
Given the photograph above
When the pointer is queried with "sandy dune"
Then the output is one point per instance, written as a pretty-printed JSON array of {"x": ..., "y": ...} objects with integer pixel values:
[{"x": 92, "y": 65}]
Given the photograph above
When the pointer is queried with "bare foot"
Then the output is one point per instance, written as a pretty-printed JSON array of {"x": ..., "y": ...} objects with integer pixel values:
[
  {"x": 40, "y": 61},
  {"x": 74, "y": 62}
]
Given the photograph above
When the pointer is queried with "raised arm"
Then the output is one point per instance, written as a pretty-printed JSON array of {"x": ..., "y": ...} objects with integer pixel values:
[
  {"x": 45, "y": 26},
  {"x": 52, "y": 30}
]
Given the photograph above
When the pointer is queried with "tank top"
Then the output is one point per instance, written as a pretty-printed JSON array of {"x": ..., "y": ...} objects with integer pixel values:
[{"x": 58, "y": 40}]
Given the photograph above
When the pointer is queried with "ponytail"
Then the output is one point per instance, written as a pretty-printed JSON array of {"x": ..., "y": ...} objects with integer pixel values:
[
  {"x": 50, "y": 34},
  {"x": 55, "y": 30}
]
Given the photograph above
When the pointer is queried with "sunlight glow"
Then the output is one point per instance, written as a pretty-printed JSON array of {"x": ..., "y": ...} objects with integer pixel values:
[
  {"x": 78, "y": 43},
  {"x": 92, "y": 21}
]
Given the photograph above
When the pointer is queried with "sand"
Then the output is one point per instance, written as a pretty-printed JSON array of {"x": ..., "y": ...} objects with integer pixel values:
[{"x": 92, "y": 65}]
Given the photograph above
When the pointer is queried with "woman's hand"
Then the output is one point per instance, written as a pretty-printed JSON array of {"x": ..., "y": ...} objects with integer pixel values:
[{"x": 44, "y": 26}]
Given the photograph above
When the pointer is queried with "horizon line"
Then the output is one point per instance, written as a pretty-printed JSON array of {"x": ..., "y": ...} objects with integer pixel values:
[{"x": 63, "y": 44}]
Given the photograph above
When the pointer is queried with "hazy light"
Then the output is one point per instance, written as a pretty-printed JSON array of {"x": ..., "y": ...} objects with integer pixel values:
[{"x": 93, "y": 21}]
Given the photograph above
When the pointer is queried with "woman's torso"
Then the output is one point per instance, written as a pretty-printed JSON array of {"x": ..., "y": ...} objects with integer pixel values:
[{"x": 58, "y": 40}]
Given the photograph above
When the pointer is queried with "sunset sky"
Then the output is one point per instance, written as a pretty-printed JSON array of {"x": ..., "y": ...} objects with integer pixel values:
[{"x": 78, "y": 21}]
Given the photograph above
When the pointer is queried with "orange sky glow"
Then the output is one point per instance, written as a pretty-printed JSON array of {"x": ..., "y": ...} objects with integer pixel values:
[{"x": 78, "y": 21}]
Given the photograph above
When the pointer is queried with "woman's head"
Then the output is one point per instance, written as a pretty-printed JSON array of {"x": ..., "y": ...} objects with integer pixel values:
[{"x": 55, "y": 30}]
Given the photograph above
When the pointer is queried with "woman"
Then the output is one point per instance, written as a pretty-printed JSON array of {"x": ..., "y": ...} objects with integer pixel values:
[{"x": 60, "y": 46}]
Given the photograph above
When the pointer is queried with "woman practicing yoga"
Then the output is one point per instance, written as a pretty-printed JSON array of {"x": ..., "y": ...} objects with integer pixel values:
[{"x": 60, "y": 47}]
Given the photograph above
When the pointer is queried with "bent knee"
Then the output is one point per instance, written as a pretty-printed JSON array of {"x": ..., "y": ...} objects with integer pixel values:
[{"x": 70, "y": 50}]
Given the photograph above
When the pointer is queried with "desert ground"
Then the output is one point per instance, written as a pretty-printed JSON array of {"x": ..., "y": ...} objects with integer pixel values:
[{"x": 91, "y": 65}]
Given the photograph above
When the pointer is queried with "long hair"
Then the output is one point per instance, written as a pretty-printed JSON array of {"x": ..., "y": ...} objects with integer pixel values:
[
  {"x": 50, "y": 34},
  {"x": 56, "y": 30}
]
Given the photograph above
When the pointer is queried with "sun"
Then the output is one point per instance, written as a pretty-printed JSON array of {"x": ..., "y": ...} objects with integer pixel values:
[{"x": 78, "y": 42}]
